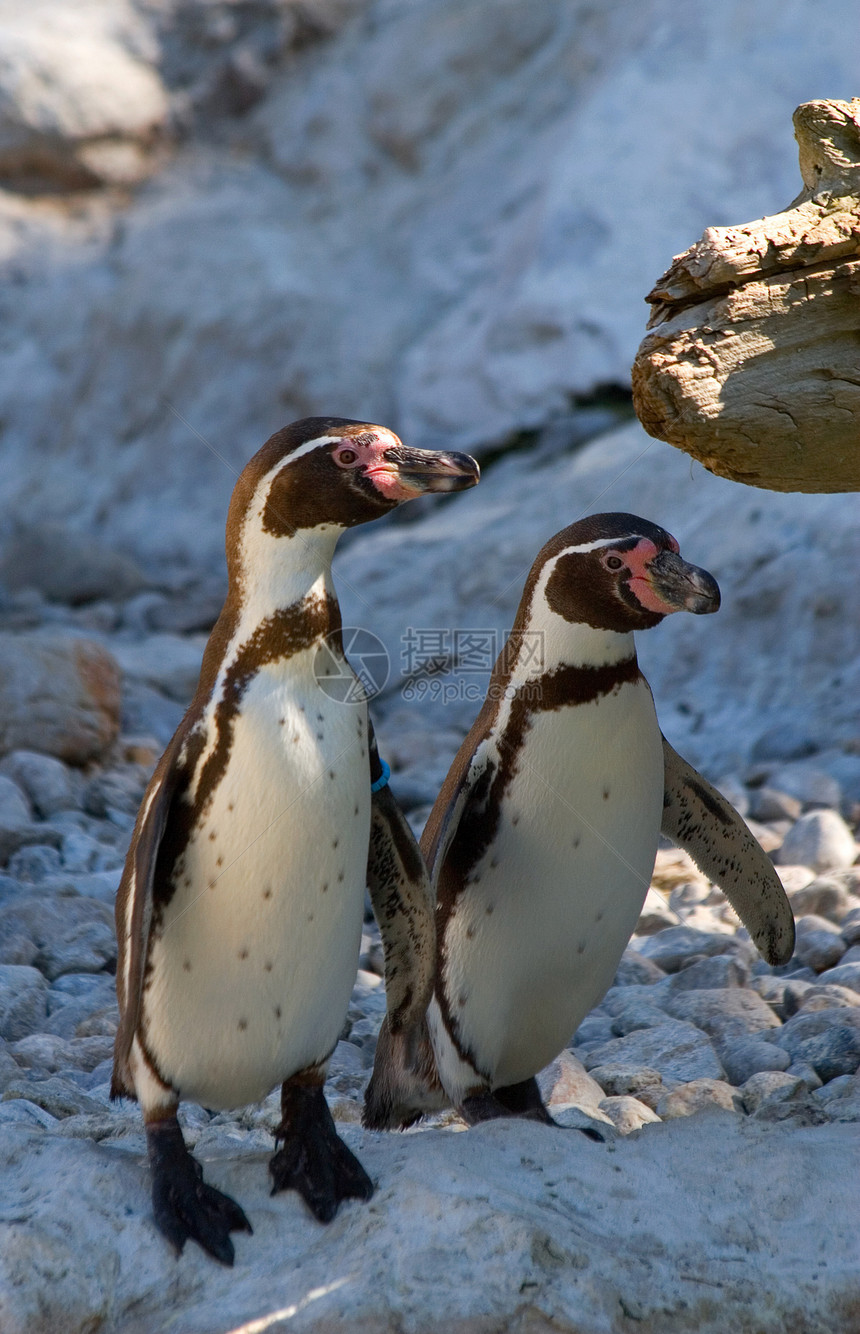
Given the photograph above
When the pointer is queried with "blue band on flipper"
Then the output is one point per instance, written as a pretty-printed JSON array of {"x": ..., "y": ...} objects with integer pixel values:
[{"x": 383, "y": 778}]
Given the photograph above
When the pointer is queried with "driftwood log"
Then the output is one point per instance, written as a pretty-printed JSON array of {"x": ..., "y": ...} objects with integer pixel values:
[{"x": 753, "y": 362}]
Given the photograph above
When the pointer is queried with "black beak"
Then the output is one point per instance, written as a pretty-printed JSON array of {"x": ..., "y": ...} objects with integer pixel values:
[
  {"x": 424, "y": 470},
  {"x": 683, "y": 587}
]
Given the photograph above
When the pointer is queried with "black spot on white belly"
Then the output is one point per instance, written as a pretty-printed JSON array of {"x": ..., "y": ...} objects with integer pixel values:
[
  {"x": 277, "y": 1011},
  {"x": 186, "y": 965},
  {"x": 268, "y": 966},
  {"x": 267, "y": 892},
  {"x": 490, "y": 907},
  {"x": 243, "y": 1024},
  {"x": 606, "y": 794},
  {"x": 243, "y": 953},
  {"x": 325, "y": 888},
  {"x": 580, "y": 949}
]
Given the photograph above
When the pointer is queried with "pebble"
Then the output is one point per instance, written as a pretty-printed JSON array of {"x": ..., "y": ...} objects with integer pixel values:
[
  {"x": 23, "y": 1001},
  {"x": 721, "y": 970},
  {"x": 744, "y": 1057},
  {"x": 812, "y": 786},
  {"x": 819, "y": 839},
  {"x": 819, "y": 945},
  {"x": 46, "y": 780},
  {"x": 723, "y": 1014},
  {"x": 680, "y": 1051},
  {"x": 635, "y": 969},
  {"x": 768, "y": 803},
  {"x": 769, "y": 1084},
  {"x": 14, "y": 806},
  {"x": 826, "y": 896},
  {"x": 623, "y": 1080},
  {"x": 566, "y": 1083},
  {"x": 844, "y": 975},
  {"x": 695, "y": 1097},
  {"x": 627, "y": 1114},
  {"x": 671, "y": 949}
]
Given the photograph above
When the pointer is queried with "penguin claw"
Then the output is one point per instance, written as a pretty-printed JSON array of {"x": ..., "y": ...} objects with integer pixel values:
[
  {"x": 183, "y": 1205},
  {"x": 313, "y": 1160}
]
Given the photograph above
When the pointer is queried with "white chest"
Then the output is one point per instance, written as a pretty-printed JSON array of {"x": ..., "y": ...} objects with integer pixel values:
[
  {"x": 253, "y": 967},
  {"x": 536, "y": 935}
]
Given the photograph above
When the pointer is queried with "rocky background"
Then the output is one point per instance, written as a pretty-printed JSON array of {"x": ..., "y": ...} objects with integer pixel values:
[{"x": 217, "y": 217}]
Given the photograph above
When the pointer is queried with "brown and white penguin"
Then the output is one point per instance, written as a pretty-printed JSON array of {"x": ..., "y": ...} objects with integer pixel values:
[
  {"x": 542, "y": 841},
  {"x": 240, "y": 909}
]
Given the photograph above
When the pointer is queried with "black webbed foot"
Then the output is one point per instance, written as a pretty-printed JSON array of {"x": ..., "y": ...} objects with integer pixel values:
[
  {"x": 521, "y": 1099},
  {"x": 183, "y": 1205},
  {"x": 312, "y": 1159}
]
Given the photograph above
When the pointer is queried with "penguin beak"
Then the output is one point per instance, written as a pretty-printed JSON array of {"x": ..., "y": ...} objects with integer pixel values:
[
  {"x": 404, "y": 474},
  {"x": 675, "y": 585}
]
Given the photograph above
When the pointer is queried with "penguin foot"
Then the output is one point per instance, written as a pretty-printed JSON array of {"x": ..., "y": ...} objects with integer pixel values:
[
  {"x": 313, "y": 1159},
  {"x": 183, "y": 1205},
  {"x": 521, "y": 1099}
]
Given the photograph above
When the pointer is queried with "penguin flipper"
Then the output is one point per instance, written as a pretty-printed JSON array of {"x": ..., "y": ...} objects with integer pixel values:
[
  {"x": 134, "y": 907},
  {"x": 698, "y": 819},
  {"x": 402, "y": 900}
]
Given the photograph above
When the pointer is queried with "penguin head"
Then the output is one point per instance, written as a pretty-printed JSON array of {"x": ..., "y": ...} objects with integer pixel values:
[
  {"x": 618, "y": 572},
  {"x": 333, "y": 473}
]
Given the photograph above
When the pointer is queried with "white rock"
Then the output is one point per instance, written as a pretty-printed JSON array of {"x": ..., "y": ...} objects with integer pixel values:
[
  {"x": 820, "y": 839},
  {"x": 460, "y": 1223},
  {"x": 72, "y": 76}
]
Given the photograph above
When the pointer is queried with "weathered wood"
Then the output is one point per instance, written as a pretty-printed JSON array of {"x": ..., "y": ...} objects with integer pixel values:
[{"x": 753, "y": 362}]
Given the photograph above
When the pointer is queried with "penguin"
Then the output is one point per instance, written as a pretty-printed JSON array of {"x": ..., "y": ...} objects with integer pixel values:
[
  {"x": 240, "y": 909},
  {"x": 542, "y": 840}
]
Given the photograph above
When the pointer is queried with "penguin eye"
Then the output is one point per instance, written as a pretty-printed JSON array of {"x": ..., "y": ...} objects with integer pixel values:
[
  {"x": 346, "y": 457},
  {"x": 613, "y": 562}
]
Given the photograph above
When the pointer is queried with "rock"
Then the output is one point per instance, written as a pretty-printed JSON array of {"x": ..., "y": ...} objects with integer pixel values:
[
  {"x": 34, "y": 864},
  {"x": 671, "y": 949},
  {"x": 59, "y": 1097},
  {"x": 679, "y": 1051},
  {"x": 843, "y": 975},
  {"x": 46, "y": 781},
  {"x": 802, "y": 1027},
  {"x": 807, "y": 784},
  {"x": 58, "y": 695},
  {"x": 170, "y": 663},
  {"x": 9, "y": 1067},
  {"x": 628, "y": 1114},
  {"x": 447, "y": 1194},
  {"x": 821, "y": 840},
  {"x": 594, "y": 1030},
  {"x": 723, "y": 1014},
  {"x": 826, "y": 896},
  {"x": 794, "y": 877},
  {"x": 744, "y": 1057},
  {"x": 23, "y": 1001},
  {"x": 634, "y": 969},
  {"x": 623, "y": 1080},
  {"x": 66, "y": 566},
  {"x": 71, "y": 934},
  {"x": 655, "y": 916},
  {"x": 734, "y": 335},
  {"x": 768, "y": 803},
  {"x": 145, "y": 710},
  {"x": 783, "y": 743},
  {"x": 818, "y": 940},
  {"x": 832, "y": 1053},
  {"x": 827, "y": 998},
  {"x": 115, "y": 790},
  {"x": 14, "y": 807},
  {"x": 698, "y": 1094},
  {"x": 841, "y": 1098},
  {"x": 769, "y": 1084},
  {"x": 79, "y": 104},
  {"x": 721, "y": 970},
  {"x": 673, "y": 867},
  {"x": 805, "y": 1073},
  {"x": 565, "y": 1083},
  {"x": 850, "y": 927}
]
